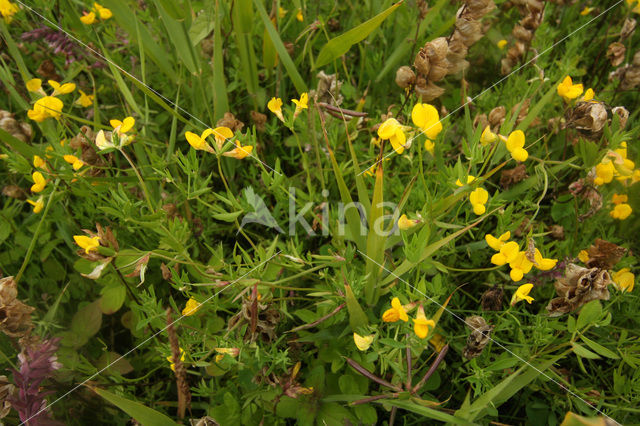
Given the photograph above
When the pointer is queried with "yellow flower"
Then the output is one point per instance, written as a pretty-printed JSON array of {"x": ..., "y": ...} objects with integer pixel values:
[
  {"x": 586, "y": 11},
  {"x": 405, "y": 223},
  {"x": 61, "y": 89},
  {"x": 123, "y": 126},
  {"x": 38, "y": 162},
  {"x": 7, "y": 10},
  {"x": 502, "y": 44},
  {"x": 172, "y": 365},
  {"x": 221, "y": 134},
  {"x": 102, "y": 11},
  {"x": 568, "y": 90},
  {"x": 362, "y": 342},
  {"x": 239, "y": 152},
  {"x": 191, "y": 307},
  {"x": 522, "y": 293},
  {"x": 38, "y": 205},
  {"x": 588, "y": 95},
  {"x": 543, "y": 264},
  {"x": 45, "y": 107},
  {"x": 282, "y": 12},
  {"x": 300, "y": 104},
  {"x": 619, "y": 198},
  {"x": 34, "y": 85},
  {"x": 396, "y": 312},
  {"x": 199, "y": 142},
  {"x": 426, "y": 117},
  {"x": 515, "y": 145},
  {"x": 621, "y": 211},
  {"x": 519, "y": 266},
  {"x": 508, "y": 253},
  {"x": 478, "y": 198},
  {"x": 392, "y": 130},
  {"x": 437, "y": 341},
  {"x": 429, "y": 146},
  {"x": 487, "y": 136},
  {"x": 470, "y": 179},
  {"x": 604, "y": 172},
  {"x": 497, "y": 243},
  {"x": 89, "y": 244},
  {"x": 275, "y": 106},
  {"x": 583, "y": 256},
  {"x": 75, "y": 162},
  {"x": 299, "y": 16},
  {"x": 623, "y": 280},
  {"x": 39, "y": 182},
  {"x": 88, "y": 18},
  {"x": 422, "y": 325},
  {"x": 84, "y": 100}
]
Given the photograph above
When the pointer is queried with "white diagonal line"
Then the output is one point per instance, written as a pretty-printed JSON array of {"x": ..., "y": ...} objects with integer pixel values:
[
  {"x": 122, "y": 70},
  {"x": 149, "y": 338},
  {"x": 495, "y": 84},
  {"x": 490, "y": 338}
]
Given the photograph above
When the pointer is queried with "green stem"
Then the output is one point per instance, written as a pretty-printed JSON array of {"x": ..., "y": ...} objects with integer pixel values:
[{"x": 142, "y": 184}]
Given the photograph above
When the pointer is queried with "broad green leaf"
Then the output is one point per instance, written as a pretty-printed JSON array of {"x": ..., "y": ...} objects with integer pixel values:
[
  {"x": 338, "y": 46},
  {"x": 583, "y": 352},
  {"x": 597, "y": 347},
  {"x": 144, "y": 415},
  {"x": 589, "y": 314},
  {"x": 114, "y": 362},
  {"x": 357, "y": 317},
  {"x": 87, "y": 321},
  {"x": 178, "y": 34},
  {"x": 112, "y": 299},
  {"x": 427, "y": 412},
  {"x": 200, "y": 28}
]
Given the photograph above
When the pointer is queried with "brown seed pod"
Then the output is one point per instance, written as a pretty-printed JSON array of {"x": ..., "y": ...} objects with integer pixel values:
[
  {"x": 479, "y": 337},
  {"x": 615, "y": 53},
  {"x": 577, "y": 287},
  {"x": 405, "y": 77}
]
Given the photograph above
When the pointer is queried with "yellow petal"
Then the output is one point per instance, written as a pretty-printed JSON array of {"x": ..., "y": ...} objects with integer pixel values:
[
  {"x": 362, "y": 342},
  {"x": 34, "y": 85},
  {"x": 195, "y": 141},
  {"x": 515, "y": 140},
  {"x": 127, "y": 124}
]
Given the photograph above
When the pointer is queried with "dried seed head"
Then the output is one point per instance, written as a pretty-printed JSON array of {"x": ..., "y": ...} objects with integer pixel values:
[
  {"x": 510, "y": 177},
  {"x": 479, "y": 337},
  {"x": 557, "y": 232},
  {"x": 604, "y": 255},
  {"x": 588, "y": 118},
  {"x": 230, "y": 121},
  {"x": 577, "y": 287},
  {"x": 430, "y": 92},
  {"x": 496, "y": 117},
  {"x": 480, "y": 121},
  {"x": 422, "y": 62},
  {"x": 259, "y": 119},
  {"x": 437, "y": 49},
  {"x": 628, "y": 28},
  {"x": 15, "y": 128},
  {"x": 491, "y": 299},
  {"x": 15, "y": 316},
  {"x": 405, "y": 77},
  {"x": 615, "y": 53},
  {"x": 623, "y": 114},
  {"x": 14, "y": 191}
]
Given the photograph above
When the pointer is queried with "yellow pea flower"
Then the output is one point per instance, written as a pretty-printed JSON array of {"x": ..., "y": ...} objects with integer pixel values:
[
  {"x": 497, "y": 243},
  {"x": 38, "y": 205},
  {"x": 282, "y": 12},
  {"x": 515, "y": 145},
  {"x": 478, "y": 198},
  {"x": 487, "y": 136},
  {"x": 84, "y": 100},
  {"x": 61, "y": 89},
  {"x": 38, "y": 162},
  {"x": 239, "y": 152},
  {"x": 299, "y": 15},
  {"x": 192, "y": 306},
  {"x": 88, "y": 18},
  {"x": 275, "y": 106},
  {"x": 362, "y": 342},
  {"x": 396, "y": 312},
  {"x": 45, "y": 107},
  {"x": 502, "y": 44},
  {"x": 429, "y": 146},
  {"x": 7, "y": 10},
  {"x": 39, "y": 182},
  {"x": 470, "y": 179},
  {"x": 426, "y": 117},
  {"x": 123, "y": 126},
  {"x": 392, "y": 130},
  {"x": 508, "y": 253},
  {"x": 588, "y": 95},
  {"x": 604, "y": 172},
  {"x": 172, "y": 365},
  {"x": 520, "y": 266},
  {"x": 586, "y": 11},
  {"x": 623, "y": 280},
  {"x": 102, "y": 11},
  {"x": 542, "y": 263},
  {"x": 422, "y": 325},
  {"x": 568, "y": 90},
  {"x": 621, "y": 211},
  {"x": 89, "y": 244},
  {"x": 34, "y": 85},
  {"x": 301, "y": 104},
  {"x": 405, "y": 223},
  {"x": 75, "y": 162},
  {"x": 522, "y": 293},
  {"x": 583, "y": 256},
  {"x": 199, "y": 142}
]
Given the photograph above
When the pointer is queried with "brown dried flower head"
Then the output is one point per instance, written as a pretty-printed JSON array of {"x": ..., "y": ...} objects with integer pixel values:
[
  {"x": 479, "y": 337},
  {"x": 588, "y": 118},
  {"x": 405, "y": 77},
  {"x": 615, "y": 53},
  {"x": 15, "y": 316},
  {"x": 230, "y": 121},
  {"x": 604, "y": 255},
  {"x": 577, "y": 287},
  {"x": 491, "y": 299}
]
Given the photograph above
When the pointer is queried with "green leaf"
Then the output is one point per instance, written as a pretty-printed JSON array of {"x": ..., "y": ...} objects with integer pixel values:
[
  {"x": 607, "y": 353},
  {"x": 227, "y": 217},
  {"x": 571, "y": 324},
  {"x": 292, "y": 71},
  {"x": 143, "y": 414},
  {"x": 357, "y": 317},
  {"x": 87, "y": 321},
  {"x": 572, "y": 419},
  {"x": 583, "y": 352},
  {"x": 427, "y": 412},
  {"x": 178, "y": 34},
  {"x": 115, "y": 363},
  {"x": 589, "y": 314},
  {"x": 338, "y": 46},
  {"x": 112, "y": 299}
]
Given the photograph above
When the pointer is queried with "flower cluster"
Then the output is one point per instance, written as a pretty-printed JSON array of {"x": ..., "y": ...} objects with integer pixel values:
[
  {"x": 478, "y": 197},
  {"x": 421, "y": 325},
  {"x": 615, "y": 164},
  {"x": 97, "y": 11},
  {"x": 424, "y": 116},
  {"x": 520, "y": 262},
  {"x": 48, "y": 105},
  {"x": 621, "y": 209},
  {"x": 275, "y": 106},
  {"x": 514, "y": 142},
  {"x": 117, "y": 138},
  {"x": 568, "y": 90},
  {"x": 7, "y": 10},
  {"x": 220, "y": 134}
]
